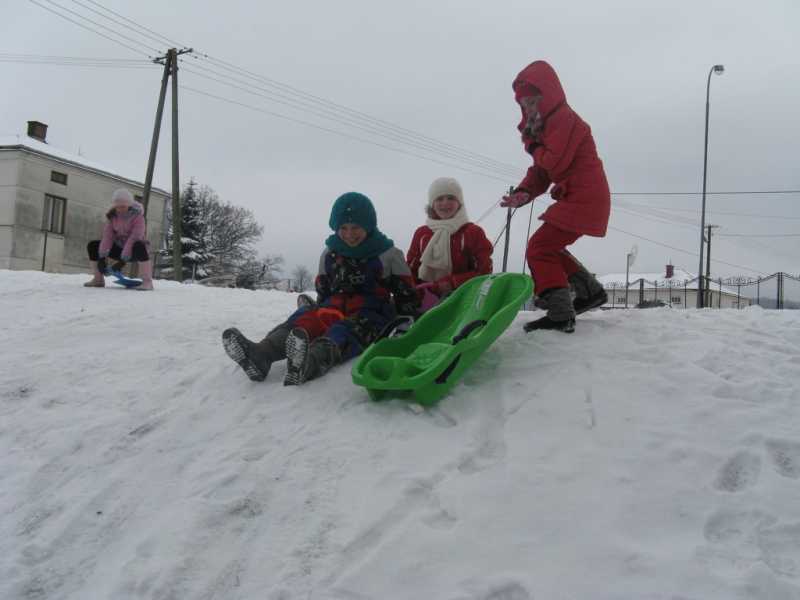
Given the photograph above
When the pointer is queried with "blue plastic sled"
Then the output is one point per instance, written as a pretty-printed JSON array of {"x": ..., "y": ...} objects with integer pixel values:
[{"x": 127, "y": 282}]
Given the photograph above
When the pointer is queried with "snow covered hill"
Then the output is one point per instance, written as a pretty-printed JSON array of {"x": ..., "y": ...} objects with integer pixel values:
[{"x": 653, "y": 454}]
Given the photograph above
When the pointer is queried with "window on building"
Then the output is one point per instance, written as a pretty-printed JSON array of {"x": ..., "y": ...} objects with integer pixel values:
[
  {"x": 58, "y": 177},
  {"x": 621, "y": 300},
  {"x": 676, "y": 299},
  {"x": 55, "y": 209}
]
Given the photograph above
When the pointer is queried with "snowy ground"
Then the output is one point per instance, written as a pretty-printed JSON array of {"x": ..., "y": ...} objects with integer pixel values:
[{"x": 653, "y": 454}]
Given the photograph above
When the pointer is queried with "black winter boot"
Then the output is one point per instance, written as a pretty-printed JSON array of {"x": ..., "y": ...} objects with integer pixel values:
[
  {"x": 256, "y": 359},
  {"x": 589, "y": 292},
  {"x": 307, "y": 360},
  {"x": 560, "y": 314}
]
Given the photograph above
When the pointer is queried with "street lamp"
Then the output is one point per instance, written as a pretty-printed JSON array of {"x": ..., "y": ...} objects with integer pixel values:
[{"x": 719, "y": 70}]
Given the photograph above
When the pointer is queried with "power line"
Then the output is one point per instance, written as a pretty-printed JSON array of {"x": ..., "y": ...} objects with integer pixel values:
[
  {"x": 334, "y": 131},
  {"x": 157, "y": 38},
  {"x": 641, "y": 237},
  {"x": 296, "y": 95},
  {"x": 736, "y": 193},
  {"x": 767, "y": 235},
  {"x": 137, "y": 50},
  {"x": 142, "y": 27},
  {"x": 349, "y": 123},
  {"x": 106, "y": 65},
  {"x": 10, "y": 55},
  {"x": 714, "y": 212},
  {"x": 85, "y": 18},
  {"x": 654, "y": 218}
]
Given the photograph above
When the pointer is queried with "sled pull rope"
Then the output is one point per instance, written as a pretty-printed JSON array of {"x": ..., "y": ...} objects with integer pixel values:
[{"x": 468, "y": 329}]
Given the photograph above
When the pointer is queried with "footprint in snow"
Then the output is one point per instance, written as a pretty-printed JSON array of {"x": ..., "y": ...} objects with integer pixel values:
[
  {"x": 785, "y": 457},
  {"x": 739, "y": 472}
]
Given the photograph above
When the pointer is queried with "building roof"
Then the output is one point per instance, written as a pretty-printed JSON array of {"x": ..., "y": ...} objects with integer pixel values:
[{"x": 27, "y": 143}]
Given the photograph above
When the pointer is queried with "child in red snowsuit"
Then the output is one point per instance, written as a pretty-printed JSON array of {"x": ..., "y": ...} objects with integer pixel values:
[{"x": 564, "y": 155}]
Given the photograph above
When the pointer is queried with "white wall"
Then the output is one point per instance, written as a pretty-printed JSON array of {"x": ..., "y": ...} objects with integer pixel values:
[{"x": 88, "y": 196}]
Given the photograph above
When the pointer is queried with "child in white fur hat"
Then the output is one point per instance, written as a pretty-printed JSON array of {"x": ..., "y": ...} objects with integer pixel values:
[{"x": 448, "y": 250}]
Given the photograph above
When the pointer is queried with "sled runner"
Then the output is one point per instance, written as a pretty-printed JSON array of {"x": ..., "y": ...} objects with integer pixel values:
[{"x": 426, "y": 362}]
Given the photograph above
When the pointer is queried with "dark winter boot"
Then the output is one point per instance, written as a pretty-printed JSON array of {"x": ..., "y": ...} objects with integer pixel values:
[
  {"x": 589, "y": 292},
  {"x": 308, "y": 360},
  {"x": 560, "y": 314},
  {"x": 256, "y": 359}
]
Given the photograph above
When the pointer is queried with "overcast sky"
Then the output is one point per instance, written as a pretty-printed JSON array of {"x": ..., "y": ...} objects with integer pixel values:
[{"x": 635, "y": 71}]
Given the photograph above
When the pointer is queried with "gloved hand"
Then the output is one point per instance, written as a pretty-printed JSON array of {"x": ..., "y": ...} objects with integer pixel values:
[
  {"x": 118, "y": 265},
  {"x": 516, "y": 199},
  {"x": 443, "y": 286},
  {"x": 102, "y": 265},
  {"x": 428, "y": 285}
]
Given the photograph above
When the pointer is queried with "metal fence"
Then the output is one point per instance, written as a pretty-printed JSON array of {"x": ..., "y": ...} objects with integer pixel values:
[{"x": 776, "y": 291}]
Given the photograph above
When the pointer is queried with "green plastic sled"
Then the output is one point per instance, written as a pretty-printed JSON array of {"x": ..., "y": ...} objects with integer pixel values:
[{"x": 425, "y": 363}]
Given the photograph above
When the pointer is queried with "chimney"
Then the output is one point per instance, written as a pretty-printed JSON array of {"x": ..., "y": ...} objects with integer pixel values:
[
  {"x": 37, "y": 131},
  {"x": 670, "y": 271}
]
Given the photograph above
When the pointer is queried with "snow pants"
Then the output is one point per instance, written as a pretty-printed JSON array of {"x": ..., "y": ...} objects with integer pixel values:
[
  {"x": 548, "y": 259},
  {"x": 351, "y": 333},
  {"x": 139, "y": 251}
]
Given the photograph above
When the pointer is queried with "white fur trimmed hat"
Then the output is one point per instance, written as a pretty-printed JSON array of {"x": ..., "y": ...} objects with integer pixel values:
[
  {"x": 122, "y": 196},
  {"x": 445, "y": 186}
]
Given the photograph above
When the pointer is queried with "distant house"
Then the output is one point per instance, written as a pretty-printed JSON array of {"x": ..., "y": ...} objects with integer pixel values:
[
  {"x": 52, "y": 203},
  {"x": 675, "y": 287}
]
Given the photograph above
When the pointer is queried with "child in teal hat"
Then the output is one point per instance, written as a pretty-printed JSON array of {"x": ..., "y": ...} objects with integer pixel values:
[{"x": 362, "y": 285}]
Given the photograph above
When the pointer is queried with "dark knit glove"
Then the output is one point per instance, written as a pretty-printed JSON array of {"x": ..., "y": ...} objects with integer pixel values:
[{"x": 118, "y": 266}]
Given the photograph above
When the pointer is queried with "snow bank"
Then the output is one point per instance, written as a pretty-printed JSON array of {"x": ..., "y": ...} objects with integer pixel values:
[{"x": 652, "y": 454}]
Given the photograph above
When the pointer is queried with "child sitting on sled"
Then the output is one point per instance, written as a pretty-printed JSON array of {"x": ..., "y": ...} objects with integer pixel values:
[
  {"x": 124, "y": 240},
  {"x": 448, "y": 250},
  {"x": 362, "y": 285},
  {"x": 564, "y": 154}
]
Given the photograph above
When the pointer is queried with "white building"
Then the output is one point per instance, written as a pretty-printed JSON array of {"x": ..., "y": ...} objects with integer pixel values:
[
  {"x": 676, "y": 288},
  {"x": 52, "y": 203}
]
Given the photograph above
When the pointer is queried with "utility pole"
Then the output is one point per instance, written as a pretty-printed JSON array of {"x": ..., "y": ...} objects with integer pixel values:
[
  {"x": 508, "y": 233},
  {"x": 177, "y": 230},
  {"x": 706, "y": 287},
  {"x": 170, "y": 62},
  {"x": 151, "y": 161}
]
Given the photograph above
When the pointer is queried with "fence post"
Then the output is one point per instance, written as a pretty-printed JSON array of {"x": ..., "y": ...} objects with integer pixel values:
[
  {"x": 738, "y": 295},
  {"x": 780, "y": 290},
  {"x": 719, "y": 300},
  {"x": 641, "y": 290},
  {"x": 685, "y": 293},
  {"x": 758, "y": 291}
]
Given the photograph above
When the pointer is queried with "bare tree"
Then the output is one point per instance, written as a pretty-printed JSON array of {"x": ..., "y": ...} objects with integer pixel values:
[
  {"x": 302, "y": 279},
  {"x": 262, "y": 273}
]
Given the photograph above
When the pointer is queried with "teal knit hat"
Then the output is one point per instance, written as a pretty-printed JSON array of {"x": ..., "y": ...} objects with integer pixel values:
[{"x": 353, "y": 207}]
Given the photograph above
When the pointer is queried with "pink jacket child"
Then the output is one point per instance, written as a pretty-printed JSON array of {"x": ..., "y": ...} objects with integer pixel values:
[{"x": 124, "y": 240}]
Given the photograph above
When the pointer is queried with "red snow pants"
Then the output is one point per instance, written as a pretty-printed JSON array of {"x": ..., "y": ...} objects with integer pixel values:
[{"x": 548, "y": 259}]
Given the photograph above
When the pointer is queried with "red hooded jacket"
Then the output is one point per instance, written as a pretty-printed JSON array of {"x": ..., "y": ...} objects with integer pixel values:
[
  {"x": 470, "y": 253},
  {"x": 564, "y": 154}
]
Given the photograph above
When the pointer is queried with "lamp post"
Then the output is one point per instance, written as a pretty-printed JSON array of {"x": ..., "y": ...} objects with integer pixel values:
[{"x": 719, "y": 70}]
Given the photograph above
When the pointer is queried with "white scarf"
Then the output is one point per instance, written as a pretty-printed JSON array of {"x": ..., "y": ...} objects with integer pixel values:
[{"x": 436, "y": 261}]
